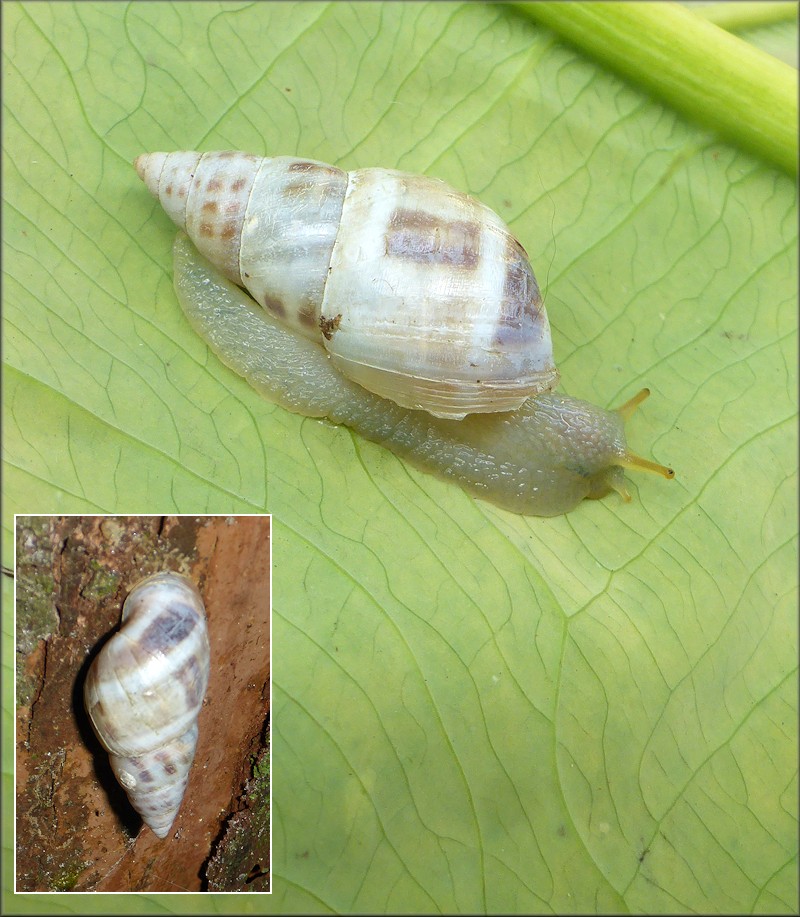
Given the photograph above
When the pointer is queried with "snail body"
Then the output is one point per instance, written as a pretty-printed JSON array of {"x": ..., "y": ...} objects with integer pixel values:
[
  {"x": 416, "y": 291},
  {"x": 143, "y": 694},
  {"x": 542, "y": 459},
  {"x": 395, "y": 305}
]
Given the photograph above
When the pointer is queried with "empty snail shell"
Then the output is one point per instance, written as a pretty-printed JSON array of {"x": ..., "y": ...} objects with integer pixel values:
[
  {"x": 392, "y": 304},
  {"x": 144, "y": 691}
]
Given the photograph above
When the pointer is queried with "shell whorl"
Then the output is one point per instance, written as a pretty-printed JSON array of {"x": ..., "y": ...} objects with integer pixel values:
[
  {"x": 144, "y": 691},
  {"x": 418, "y": 292}
]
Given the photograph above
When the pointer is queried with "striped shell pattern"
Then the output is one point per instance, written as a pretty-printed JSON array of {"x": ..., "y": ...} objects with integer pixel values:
[
  {"x": 418, "y": 292},
  {"x": 144, "y": 691}
]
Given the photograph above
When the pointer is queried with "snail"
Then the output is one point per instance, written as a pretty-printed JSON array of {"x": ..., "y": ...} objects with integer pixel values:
[
  {"x": 395, "y": 305},
  {"x": 143, "y": 694}
]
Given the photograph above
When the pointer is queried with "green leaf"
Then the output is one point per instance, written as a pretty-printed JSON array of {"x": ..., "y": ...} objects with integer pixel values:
[{"x": 472, "y": 711}]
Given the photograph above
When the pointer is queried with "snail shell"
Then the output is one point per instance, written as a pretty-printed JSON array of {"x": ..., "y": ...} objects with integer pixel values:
[
  {"x": 419, "y": 293},
  {"x": 144, "y": 691}
]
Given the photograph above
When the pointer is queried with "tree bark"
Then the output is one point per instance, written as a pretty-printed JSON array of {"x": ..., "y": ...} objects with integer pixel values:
[{"x": 76, "y": 829}]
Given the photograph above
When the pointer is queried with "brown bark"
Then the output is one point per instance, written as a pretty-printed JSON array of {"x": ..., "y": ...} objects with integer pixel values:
[{"x": 76, "y": 829}]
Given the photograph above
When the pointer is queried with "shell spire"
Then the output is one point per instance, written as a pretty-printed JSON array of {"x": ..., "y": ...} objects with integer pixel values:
[{"x": 144, "y": 691}]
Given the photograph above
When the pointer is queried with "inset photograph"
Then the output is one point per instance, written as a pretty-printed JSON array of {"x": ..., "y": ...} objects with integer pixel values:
[{"x": 143, "y": 695}]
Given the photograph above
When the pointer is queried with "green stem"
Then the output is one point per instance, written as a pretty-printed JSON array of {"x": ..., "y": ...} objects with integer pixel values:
[
  {"x": 734, "y": 16},
  {"x": 717, "y": 79}
]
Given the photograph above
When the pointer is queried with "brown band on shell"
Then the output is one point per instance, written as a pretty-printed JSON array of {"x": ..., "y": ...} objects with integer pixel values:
[
  {"x": 166, "y": 761},
  {"x": 175, "y": 623},
  {"x": 235, "y": 154},
  {"x": 519, "y": 320},
  {"x": 307, "y": 316},
  {"x": 274, "y": 305},
  {"x": 300, "y": 187},
  {"x": 307, "y": 166},
  {"x": 421, "y": 237},
  {"x": 312, "y": 177},
  {"x": 229, "y": 230},
  {"x": 190, "y": 677}
]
